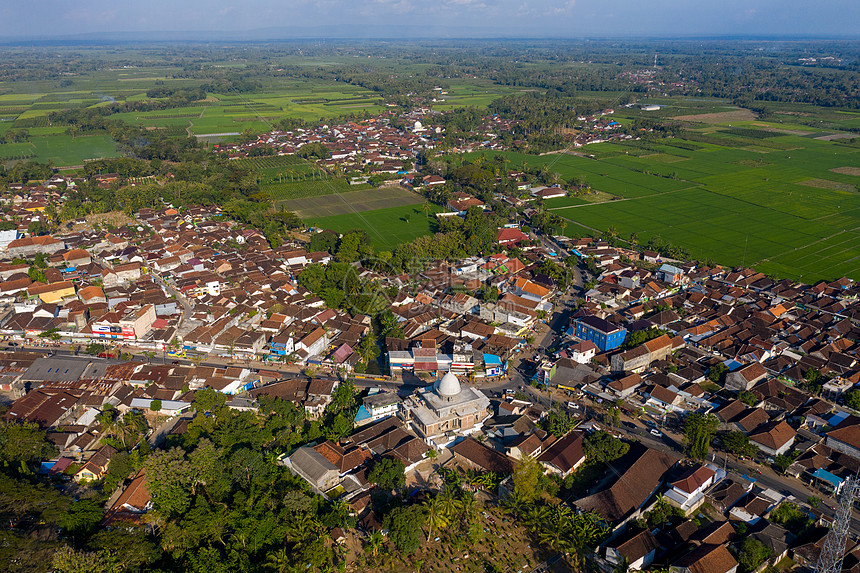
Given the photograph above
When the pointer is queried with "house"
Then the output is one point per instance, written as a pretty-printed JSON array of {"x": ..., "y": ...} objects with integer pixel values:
[
  {"x": 773, "y": 438},
  {"x": 529, "y": 290},
  {"x": 604, "y": 334},
  {"x": 687, "y": 491},
  {"x": 97, "y": 466},
  {"x": 460, "y": 206},
  {"x": 475, "y": 455},
  {"x": 548, "y": 192},
  {"x": 639, "y": 358},
  {"x": 376, "y": 407},
  {"x": 638, "y": 547},
  {"x": 132, "y": 504},
  {"x": 665, "y": 399},
  {"x": 727, "y": 493},
  {"x": 508, "y": 237},
  {"x": 314, "y": 343},
  {"x": 706, "y": 558},
  {"x": 524, "y": 445},
  {"x": 345, "y": 459},
  {"x": 29, "y": 246},
  {"x": 92, "y": 295},
  {"x": 669, "y": 274},
  {"x": 77, "y": 258},
  {"x": 640, "y": 473},
  {"x": 745, "y": 378},
  {"x": 52, "y": 293},
  {"x": 624, "y": 387},
  {"x": 583, "y": 352},
  {"x": 314, "y": 468},
  {"x": 565, "y": 455},
  {"x": 777, "y": 539},
  {"x": 121, "y": 274},
  {"x": 845, "y": 437}
]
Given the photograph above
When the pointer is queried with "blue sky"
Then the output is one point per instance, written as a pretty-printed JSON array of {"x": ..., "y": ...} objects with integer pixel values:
[{"x": 527, "y": 18}]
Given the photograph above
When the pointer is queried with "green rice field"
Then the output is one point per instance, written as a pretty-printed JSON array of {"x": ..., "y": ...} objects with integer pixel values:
[
  {"x": 386, "y": 228},
  {"x": 60, "y": 149},
  {"x": 783, "y": 207}
]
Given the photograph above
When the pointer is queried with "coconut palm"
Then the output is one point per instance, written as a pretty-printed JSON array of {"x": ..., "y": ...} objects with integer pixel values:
[
  {"x": 131, "y": 427},
  {"x": 367, "y": 349},
  {"x": 107, "y": 420},
  {"x": 436, "y": 517},
  {"x": 278, "y": 561},
  {"x": 449, "y": 503},
  {"x": 468, "y": 507},
  {"x": 553, "y": 538}
]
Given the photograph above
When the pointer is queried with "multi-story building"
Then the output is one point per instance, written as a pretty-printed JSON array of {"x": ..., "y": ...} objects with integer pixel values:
[
  {"x": 603, "y": 334},
  {"x": 132, "y": 325}
]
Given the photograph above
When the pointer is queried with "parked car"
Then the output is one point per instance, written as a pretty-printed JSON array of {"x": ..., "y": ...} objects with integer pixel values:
[{"x": 656, "y": 432}]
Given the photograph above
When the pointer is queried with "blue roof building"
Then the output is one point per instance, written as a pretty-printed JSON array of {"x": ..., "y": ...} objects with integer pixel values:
[{"x": 605, "y": 335}]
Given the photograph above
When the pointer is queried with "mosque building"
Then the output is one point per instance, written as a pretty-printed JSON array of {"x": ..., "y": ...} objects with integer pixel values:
[{"x": 445, "y": 411}]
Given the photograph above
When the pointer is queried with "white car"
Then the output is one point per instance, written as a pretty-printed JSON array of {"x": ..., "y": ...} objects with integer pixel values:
[{"x": 656, "y": 432}]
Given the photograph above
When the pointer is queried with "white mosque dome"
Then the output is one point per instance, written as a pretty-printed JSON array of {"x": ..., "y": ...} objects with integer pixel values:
[{"x": 449, "y": 385}]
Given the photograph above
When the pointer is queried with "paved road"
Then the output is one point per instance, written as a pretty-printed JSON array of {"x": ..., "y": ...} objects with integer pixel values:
[{"x": 187, "y": 309}]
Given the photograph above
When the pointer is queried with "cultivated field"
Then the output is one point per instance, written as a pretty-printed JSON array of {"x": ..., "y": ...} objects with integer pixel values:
[
  {"x": 362, "y": 199},
  {"x": 61, "y": 149},
  {"x": 386, "y": 228},
  {"x": 745, "y": 194},
  {"x": 26, "y": 104},
  {"x": 718, "y": 117}
]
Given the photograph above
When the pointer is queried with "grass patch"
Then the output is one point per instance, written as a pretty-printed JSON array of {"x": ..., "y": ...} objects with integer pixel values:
[
  {"x": 361, "y": 198},
  {"x": 308, "y": 188},
  {"x": 386, "y": 228}
]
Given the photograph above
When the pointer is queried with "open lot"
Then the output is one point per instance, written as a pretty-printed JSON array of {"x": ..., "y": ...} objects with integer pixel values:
[
  {"x": 386, "y": 228},
  {"x": 362, "y": 199}
]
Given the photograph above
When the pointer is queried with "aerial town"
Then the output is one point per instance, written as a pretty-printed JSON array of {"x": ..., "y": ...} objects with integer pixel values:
[
  {"x": 595, "y": 381},
  {"x": 454, "y": 287}
]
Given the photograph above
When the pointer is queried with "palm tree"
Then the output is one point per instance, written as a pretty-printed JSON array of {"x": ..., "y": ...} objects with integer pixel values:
[
  {"x": 468, "y": 507},
  {"x": 425, "y": 207},
  {"x": 133, "y": 426},
  {"x": 278, "y": 561},
  {"x": 449, "y": 502},
  {"x": 305, "y": 525},
  {"x": 367, "y": 349},
  {"x": 108, "y": 421},
  {"x": 436, "y": 516},
  {"x": 553, "y": 537}
]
